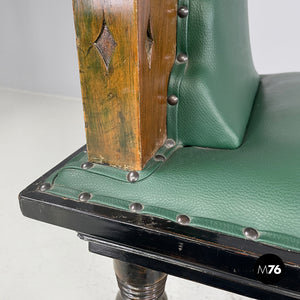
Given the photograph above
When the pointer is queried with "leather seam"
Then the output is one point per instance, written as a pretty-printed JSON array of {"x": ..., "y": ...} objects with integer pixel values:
[
  {"x": 214, "y": 225},
  {"x": 173, "y": 111}
]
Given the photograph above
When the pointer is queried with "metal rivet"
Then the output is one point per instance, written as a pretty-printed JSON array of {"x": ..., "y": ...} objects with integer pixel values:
[
  {"x": 182, "y": 58},
  {"x": 170, "y": 143},
  {"x": 159, "y": 157},
  {"x": 136, "y": 207},
  {"x": 84, "y": 197},
  {"x": 87, "y": 165},
  {"x": 45, "y": 187},
  {"x": 183, "y": 219},
  {"x": 133, "y": 176},
  {"x": 251, "y": 233},
  {"x": 172, "y": 100},
  {"x": 183, "y": 12}
]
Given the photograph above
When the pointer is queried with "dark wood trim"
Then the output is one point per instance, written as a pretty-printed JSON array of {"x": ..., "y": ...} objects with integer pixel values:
[{"x": 192, "y": 253}]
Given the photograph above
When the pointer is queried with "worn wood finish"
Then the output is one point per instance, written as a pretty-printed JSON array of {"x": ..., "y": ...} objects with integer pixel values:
[
  {"x": 126, "y": 50},
  {"x": 157, "y": 20}
]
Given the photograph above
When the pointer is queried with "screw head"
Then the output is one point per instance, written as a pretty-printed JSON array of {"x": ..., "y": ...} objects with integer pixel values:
[
  {"x": 159, "y": 157},
  {"x": 170, "y": 143},
  {"x": 183, "y": 219},
  {"x": 172, "y": 100},
  {"x": 182, "y": 58},
  {"x": 251, "y": 233},
  {"x": 84, "y": 197},
  {"x": 87, "y": 165},
  {"x": 133, "y": 176},
  {"x": 45, "y": 187},
  {"x": 183, "y": 12},
  {"x": 136, "y": 207}
]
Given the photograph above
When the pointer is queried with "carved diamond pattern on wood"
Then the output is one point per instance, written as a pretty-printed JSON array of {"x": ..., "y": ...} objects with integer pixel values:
[
  {"x": 105, "y": 44},
  {"x": 149, "y": 43}
]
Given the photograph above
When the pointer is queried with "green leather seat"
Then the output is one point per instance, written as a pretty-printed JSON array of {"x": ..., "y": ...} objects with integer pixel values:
[
  {"x": 256, "y": 185},
  {"x": 230, "y": 167},
  {"x": 250, "y": 175}
]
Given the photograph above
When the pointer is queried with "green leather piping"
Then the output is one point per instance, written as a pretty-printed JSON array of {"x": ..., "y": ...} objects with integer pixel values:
[
  {"x": 115, "y": 173},
  {"x": 268, "y": 237},
  {"x": 177, "y": 73}
]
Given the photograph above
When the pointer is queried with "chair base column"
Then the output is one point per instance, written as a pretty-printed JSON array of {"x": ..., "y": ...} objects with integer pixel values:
[{"x": 139, "y": 283}]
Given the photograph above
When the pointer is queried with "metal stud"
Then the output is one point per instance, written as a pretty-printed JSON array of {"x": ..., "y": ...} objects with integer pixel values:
[
  {"x": 183, "y": 219},
  {"x": 87, "y": 165},
  {"x": 183, "y": 12},
  {"x": 136, "y": 207},
  {"x": 159, "y": 157},
  {"x": 84, "y": 197},
  {"x": 133, "y": 176},
  {"x": 45, "y": 187},
  {"x": 182, "y": 58},
  {"x": 172, "y": 100},
  {"x": 251, "y": 233},
  {"x": 170, "y": 143}
]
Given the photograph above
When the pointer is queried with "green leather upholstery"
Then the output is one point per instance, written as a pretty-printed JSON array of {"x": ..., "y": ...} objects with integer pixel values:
[
  {"x": 217, "y": 87},
  {"x": 256, "y": 185}
]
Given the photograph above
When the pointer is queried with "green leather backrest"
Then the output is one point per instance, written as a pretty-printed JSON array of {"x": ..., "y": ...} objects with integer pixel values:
[{"x": 216, "y": 87}]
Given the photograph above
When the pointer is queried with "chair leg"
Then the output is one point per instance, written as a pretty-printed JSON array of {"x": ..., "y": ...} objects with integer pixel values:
[{"x": 139, "y": 283}]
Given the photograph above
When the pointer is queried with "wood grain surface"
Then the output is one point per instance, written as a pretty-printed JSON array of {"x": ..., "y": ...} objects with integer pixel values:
[{"x": 126, "y": 50}]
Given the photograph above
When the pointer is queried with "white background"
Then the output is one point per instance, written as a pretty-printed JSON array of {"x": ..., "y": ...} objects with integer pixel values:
[
  {"x": 38, "y": 42},
  {"x": 38, "y": 54}
]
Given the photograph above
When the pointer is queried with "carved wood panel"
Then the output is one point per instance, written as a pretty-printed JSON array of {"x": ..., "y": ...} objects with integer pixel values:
[{"x": 126, "y": 49}]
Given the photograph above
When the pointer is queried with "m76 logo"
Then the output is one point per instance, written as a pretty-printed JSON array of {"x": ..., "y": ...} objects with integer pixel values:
[{"x": 269, "y": 269}]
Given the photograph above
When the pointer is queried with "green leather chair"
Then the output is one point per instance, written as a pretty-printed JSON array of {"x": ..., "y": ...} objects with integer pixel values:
[{"x": 223, "y": 190}]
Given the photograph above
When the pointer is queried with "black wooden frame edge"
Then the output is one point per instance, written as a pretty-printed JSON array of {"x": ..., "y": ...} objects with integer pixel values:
[
  {"x": 86, "y": 217},
  {"x": 213, "y": 278}
]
